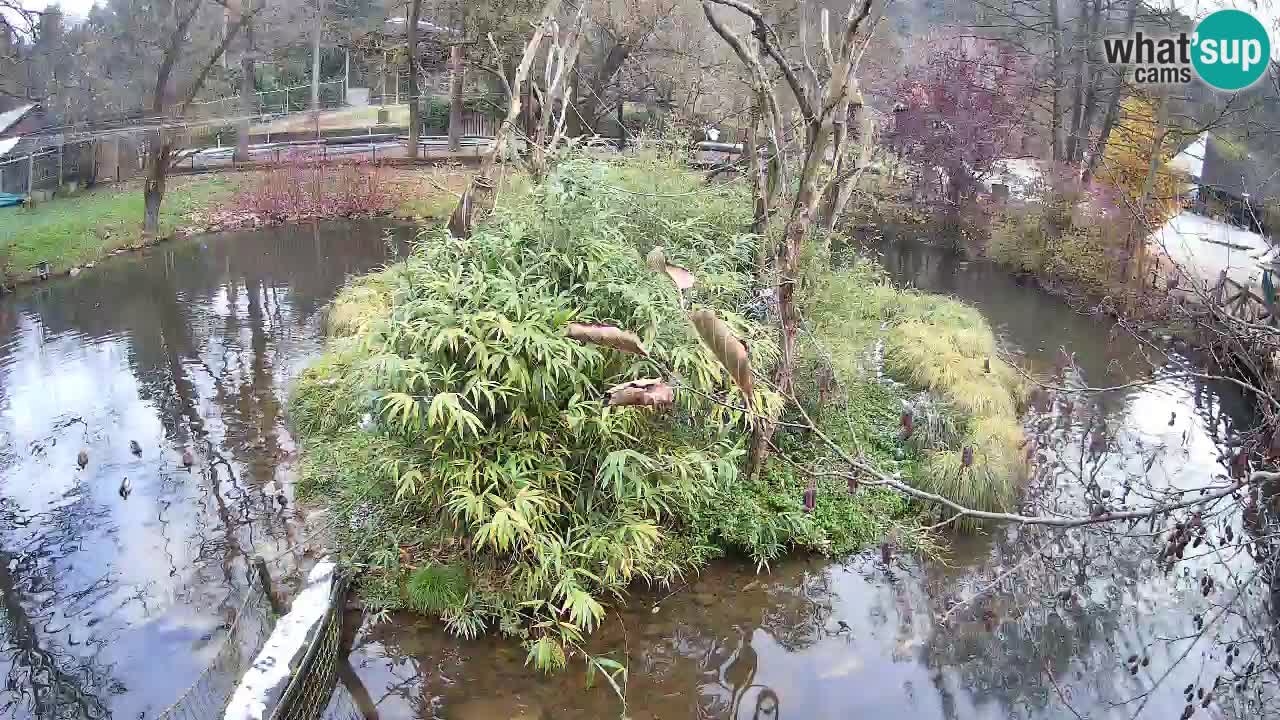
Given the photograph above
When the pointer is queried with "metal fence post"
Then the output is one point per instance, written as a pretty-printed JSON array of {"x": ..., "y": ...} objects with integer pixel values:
[
  {"x": 58, "y": 187},
  {"x": 31, "y": 174}
]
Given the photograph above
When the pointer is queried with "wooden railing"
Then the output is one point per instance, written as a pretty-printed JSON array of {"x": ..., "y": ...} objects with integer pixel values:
[{"x": 1239, "y": 301}]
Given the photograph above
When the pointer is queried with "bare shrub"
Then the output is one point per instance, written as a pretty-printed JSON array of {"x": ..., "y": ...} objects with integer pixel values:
[{"x": 306, "y": 186}]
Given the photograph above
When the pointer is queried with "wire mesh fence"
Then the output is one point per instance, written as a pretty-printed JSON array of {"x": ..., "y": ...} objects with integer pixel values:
[
  {"x": 47, "y": 168},
  {"x": 342, "y": 706},
  {"x": 309, "y": 692},
  {"x": 206, "y": 698},
  {"x": 297, "y": 98}
]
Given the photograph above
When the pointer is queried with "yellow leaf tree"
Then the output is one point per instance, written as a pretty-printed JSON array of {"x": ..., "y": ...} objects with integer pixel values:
[{"x": 1127, "y": 161}]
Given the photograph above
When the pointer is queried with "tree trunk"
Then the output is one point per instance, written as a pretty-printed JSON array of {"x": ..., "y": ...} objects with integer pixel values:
[
  {"x": 158, "y": 152},
  {"x": 787, "y": 265},
  {"x": 1083, "y": 24},
  {"x": 1055, "y": 121},
  {"x": 759, "y": 191},
  {"x": 846, "y": 187},
  {"x": 315, "y": 66},
  {"x": 248, "y": 106},
  {"x": 455, "y": 97},
  {"x": 415, "y": 9},
  {"x": 1113, "y": 108},
  {"x": 1090, "y": 108}
]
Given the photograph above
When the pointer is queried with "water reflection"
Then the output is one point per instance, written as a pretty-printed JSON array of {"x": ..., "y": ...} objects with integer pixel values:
[
  {"x": 1020, "y": 623},
  {"x": 112, "y": 604}
]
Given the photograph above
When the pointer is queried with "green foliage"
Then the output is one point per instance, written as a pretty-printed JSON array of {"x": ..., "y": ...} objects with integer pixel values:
[
  {"x": 436, "y": 588},
  {"x": 1083, "y": 253},
  {"x": 489, "y": 423},
  {"x": 1018, "y": 240},
  {"x": 941, "y": 346}
]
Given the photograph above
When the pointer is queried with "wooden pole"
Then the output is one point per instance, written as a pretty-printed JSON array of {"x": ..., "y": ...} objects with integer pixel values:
[
  {"x": 455, "y": 98},
  {"x": 264, "y": 577},
  {"x": 31, "y": 174}
]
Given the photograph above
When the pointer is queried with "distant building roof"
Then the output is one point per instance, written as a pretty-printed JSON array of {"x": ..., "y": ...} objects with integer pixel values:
[{"x": 9, "y": 118}]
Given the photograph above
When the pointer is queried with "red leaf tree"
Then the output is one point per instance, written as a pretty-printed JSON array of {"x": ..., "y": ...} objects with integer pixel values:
[{"x": 965, "y": 108}]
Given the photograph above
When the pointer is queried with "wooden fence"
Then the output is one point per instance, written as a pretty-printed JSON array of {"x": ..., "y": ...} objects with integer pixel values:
[{"x": 1240, "y": 301}]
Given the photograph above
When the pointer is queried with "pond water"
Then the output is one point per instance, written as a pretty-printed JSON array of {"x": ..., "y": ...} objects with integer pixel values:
[
  {"x": 816, "y": 639},
  {"x": 112, "y": 603}
]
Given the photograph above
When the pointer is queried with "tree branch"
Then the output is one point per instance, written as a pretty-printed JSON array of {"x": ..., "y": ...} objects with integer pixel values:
[{"x": 769, "y": 42}]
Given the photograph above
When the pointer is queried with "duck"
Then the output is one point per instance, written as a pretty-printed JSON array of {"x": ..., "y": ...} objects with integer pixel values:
[
  {"x": 135, "y": 448},
  {"x": 188, "y": 459},
  {"x": 125, "y": 488},
  {"x": 82, "y": 458}
]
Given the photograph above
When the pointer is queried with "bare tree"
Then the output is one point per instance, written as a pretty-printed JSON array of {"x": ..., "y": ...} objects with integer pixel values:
[
  {"x": 248, "y": 84},
  {"x": 820, "y": 99},
  {"x": 411, "y": 66},
  {"x": 162, "y": 141},
  {"x": 478, "y": 199},
  {"x": 553, "y": 106},
  {"x": 455, "y": 97}
]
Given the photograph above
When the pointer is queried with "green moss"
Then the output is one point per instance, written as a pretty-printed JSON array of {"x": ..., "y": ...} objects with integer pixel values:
[{"x": 941, "y": 346}]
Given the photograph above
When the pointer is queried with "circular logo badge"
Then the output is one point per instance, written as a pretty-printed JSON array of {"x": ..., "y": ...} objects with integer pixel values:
[{"x": 1231, "y": 50}]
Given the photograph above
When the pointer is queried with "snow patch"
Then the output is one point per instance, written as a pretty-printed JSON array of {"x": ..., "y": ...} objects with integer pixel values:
[
  {"x": 1204, "y": 247},
  {"x": 265, "y": 681},
  {"x": 1191, "y": 160},
  {"x": 8, "y": 144},
  {"x": 10, "y": 117}
]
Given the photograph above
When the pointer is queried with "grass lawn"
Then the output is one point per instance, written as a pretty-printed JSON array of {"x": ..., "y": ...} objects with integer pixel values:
[
  {"x": 74, "y": 230},
  {"x": 334, "y": 119}
]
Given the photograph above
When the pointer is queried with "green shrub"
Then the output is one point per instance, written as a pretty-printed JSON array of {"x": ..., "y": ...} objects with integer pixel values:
[
  {"x": 436, "y": 588},
  {"x": 1017, "y": 239},
  {"x": 491, "y": 426}
]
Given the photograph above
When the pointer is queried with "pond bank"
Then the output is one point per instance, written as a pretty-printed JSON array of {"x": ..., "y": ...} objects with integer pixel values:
[{"x": 75, "y": 233}]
